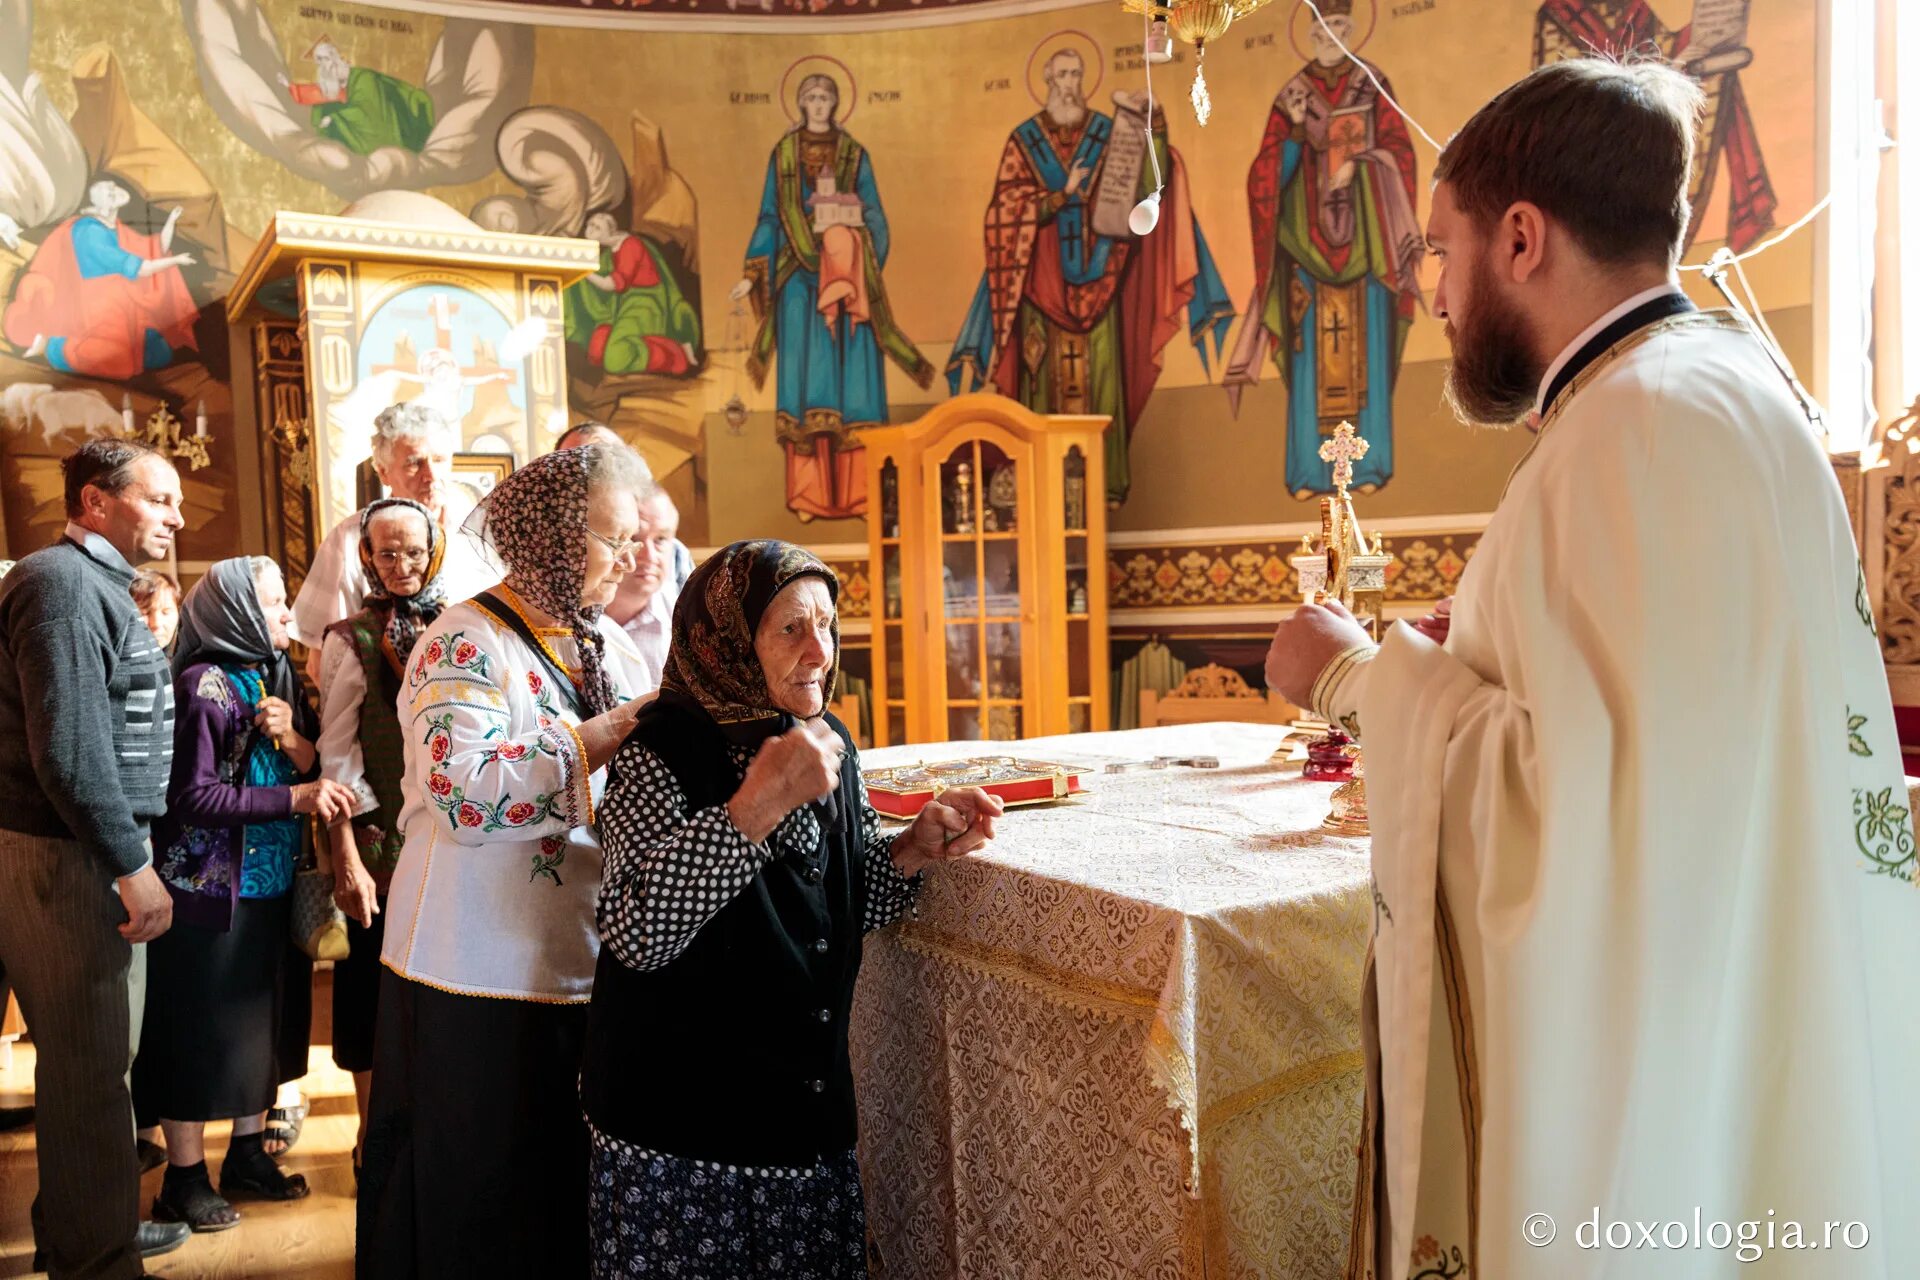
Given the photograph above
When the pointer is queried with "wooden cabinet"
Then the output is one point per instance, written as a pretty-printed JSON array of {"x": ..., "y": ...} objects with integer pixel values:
[{"x": 988, "y": 527}]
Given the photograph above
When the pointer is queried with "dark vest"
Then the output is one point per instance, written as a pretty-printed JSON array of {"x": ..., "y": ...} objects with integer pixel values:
[
  {"x": 382, "y": 748},
  {"x": 735, "y": 1051}
]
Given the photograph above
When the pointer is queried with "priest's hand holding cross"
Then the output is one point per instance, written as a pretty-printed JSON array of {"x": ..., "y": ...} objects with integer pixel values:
[{"x": 1305, "y": 643}]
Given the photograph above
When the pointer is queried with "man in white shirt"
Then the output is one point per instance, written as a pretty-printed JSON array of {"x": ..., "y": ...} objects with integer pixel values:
[
  {"x": 1643, "y": 872},
  {"x": 643, "y": 603},
  {"x": 413, "y": 447}
]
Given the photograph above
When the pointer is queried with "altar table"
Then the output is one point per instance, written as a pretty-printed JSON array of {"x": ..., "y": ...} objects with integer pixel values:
[{"x": 1124, "y": 1041}]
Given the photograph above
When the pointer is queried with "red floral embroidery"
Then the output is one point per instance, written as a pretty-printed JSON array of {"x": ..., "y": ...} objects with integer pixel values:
[
  {"x": 521, "y": 813},
  {"x": 440, "y": 749},
  {"x": 439, "y": 784},
  {"x": 435, "y": 651},
  {"x": 464, "y": 653},
  {"x": 471, "y": 815},
  {"x": 535, "y": 683},
  {"x": 511, "y": 751}
]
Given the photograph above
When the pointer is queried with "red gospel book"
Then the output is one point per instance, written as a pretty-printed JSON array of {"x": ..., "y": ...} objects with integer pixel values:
[{"x": 903, "y": 791}]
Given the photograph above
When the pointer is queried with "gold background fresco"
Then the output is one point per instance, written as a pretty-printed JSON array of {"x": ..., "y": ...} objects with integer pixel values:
[{"x": 933, "y": 105}]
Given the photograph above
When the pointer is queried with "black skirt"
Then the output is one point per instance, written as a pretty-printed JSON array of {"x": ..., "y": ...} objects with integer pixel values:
[
  {"x": 475, "y": 1161},
  {"x": 356, "y": 994},
  {"x": 216, "y": 1026}
]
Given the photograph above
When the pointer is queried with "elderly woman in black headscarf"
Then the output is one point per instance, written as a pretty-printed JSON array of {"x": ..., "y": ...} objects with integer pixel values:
[
  {"x": 475, "y": 1157},
  {"x": 744, "y": 865},
  {"x": 362, "y": 659},
  {"x": 223, "y": 998}
]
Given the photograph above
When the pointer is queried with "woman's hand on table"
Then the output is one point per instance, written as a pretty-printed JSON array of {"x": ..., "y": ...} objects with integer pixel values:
[
  {"x": 959, "y": 822},
  {"x": 798, "y": 767}
]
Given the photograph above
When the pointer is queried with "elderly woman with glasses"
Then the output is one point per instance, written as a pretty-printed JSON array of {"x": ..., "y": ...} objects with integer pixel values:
[
  {"x": 475, "y": 1158},
  {"x": 362, "y": 747},
  {"x": 744, "y": 866}
]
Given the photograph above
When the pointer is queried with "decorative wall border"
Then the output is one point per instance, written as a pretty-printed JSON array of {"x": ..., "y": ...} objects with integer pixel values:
[
  {"x": 807, "y": 17},
  {"x": 1220, "y": 575}
]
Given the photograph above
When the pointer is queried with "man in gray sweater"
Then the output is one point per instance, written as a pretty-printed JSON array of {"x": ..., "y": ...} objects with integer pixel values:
[{"x": 86, "y": 742}]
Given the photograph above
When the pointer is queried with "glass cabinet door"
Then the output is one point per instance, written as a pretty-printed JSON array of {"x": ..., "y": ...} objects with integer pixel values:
[
  {"x": 983, "y": 680},
  {"x": 890, "y": 684},
  {"x": 1078, "y": 582}
]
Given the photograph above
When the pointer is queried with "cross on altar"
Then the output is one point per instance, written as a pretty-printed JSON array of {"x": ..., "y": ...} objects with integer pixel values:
[{"x": 1343, "y": 450}]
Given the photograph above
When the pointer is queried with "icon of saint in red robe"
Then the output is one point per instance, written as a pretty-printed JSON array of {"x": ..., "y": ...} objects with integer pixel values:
[{"x": 101, "y": 299}]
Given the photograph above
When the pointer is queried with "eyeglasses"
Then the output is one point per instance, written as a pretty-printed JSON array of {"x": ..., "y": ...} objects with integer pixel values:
[
  {"x": 388, "y": 559},
  {"x": 630, "y": 548}
]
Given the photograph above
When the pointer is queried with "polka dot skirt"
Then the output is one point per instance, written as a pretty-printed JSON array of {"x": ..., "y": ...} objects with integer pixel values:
[{"x": 657, "y": 1215}]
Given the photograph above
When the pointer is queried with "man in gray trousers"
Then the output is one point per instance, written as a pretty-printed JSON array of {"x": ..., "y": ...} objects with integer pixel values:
[{"x": 86, "y": 742}]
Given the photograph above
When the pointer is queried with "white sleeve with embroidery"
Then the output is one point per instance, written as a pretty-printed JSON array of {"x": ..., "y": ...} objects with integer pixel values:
[
  {"x": 498, "y": 759},
  {"x": 343, "y": 688},
  {"x": 666, "y": 872},
  {"x": 889, "y": 894}
]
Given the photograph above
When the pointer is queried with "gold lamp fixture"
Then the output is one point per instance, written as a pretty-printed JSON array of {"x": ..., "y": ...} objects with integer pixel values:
[{"x": 1199, "y": 22}]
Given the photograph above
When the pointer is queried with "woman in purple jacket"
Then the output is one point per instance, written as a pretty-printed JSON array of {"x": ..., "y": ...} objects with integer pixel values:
[{"x": 227, "y": 849}]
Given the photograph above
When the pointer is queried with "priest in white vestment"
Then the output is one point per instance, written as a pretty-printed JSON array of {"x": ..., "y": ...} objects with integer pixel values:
[
  {"x": 1644, "y": 996},
  {"x": 413, "y": 446}
]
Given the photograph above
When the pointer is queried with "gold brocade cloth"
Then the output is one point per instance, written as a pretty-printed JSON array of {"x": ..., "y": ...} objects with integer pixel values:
[{"x": 1124, "y": 1042}]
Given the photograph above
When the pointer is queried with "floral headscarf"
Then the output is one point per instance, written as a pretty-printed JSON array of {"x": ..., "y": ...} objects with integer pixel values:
[
  {"x": 221, "y": 621},
  {"x": 712, "y": 661},
  {"x": 407, "y": 616},
  {"x": 535, "y": 523}
]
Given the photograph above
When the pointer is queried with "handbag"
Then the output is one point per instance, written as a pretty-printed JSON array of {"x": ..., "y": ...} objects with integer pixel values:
[{"x": 319, "y": 926}]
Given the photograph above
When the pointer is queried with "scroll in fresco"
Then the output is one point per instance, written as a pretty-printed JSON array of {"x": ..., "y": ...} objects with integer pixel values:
[{"x": 1120, "y": 178}]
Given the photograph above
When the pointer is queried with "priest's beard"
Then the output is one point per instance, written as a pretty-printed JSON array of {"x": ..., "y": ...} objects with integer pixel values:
[
  {"x": 1495, "y": 375},
  {"x": 1066, "y": 109}
]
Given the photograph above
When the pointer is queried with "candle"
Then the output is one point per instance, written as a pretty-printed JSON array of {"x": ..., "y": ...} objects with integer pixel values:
[
  {"x": 126, "y": 413},
  {"x": 200, "y": 422}
]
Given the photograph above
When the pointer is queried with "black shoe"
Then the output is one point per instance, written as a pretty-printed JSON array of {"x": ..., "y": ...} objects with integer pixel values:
[
  {"x": 153, "y": 1239},
  {"x": 150, "y": 1154},
  {"x": 12, "y": 1118},
  {"x": 156, "y": 1238}
]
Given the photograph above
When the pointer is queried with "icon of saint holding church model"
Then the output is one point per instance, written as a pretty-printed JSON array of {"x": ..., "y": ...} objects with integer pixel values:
[
  {"x": 1337, "y": 246},
  {"x": 360, "y": 108},
  {"x": 813, "y": 271},
  {"x": 1074, "y": 311}
]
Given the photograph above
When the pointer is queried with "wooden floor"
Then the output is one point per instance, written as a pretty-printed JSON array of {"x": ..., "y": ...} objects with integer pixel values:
[{"x": 310, "y": 1239}]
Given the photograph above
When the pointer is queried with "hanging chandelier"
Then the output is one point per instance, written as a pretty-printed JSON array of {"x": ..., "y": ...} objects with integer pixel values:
[{"x": 1198, "y": 22}]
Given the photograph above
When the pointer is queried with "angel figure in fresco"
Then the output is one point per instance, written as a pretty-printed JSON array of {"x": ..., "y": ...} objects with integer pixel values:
[
  {"x": 101, "y": 299},
  {"x": 1337, "y": 246},
  {"x": 1712, "y": 49},
  {"x": 813, "y": 272},
  {"x": 360, "y": 108},
  {"x": 631, "y": 316},
  {"x": 1066, "y": 319}
]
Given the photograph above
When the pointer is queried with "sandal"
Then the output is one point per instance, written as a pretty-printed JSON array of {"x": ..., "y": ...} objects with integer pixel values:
[
  {"x": 252, "y": 1174},
  {"x": 284, "y": 1124},
  {"x": 187, "y": 1195}
]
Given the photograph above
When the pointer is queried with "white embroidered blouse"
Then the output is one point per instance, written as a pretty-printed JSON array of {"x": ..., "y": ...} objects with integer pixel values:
[{"x": 497, "y": 881}]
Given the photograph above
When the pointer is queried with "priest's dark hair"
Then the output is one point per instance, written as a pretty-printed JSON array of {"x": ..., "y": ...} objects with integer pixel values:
[
  {"x": 107, "y": 465},
  {"x": 1604, "y": 148}
]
